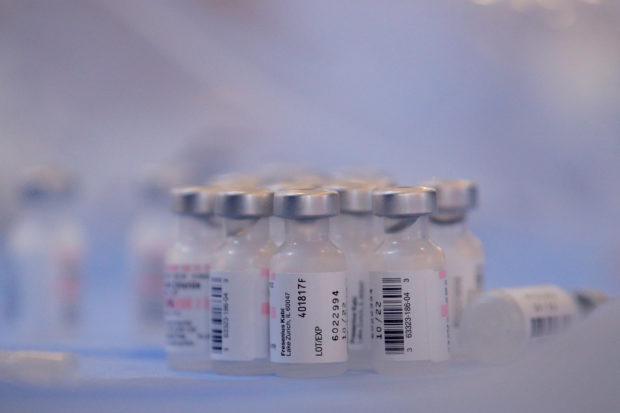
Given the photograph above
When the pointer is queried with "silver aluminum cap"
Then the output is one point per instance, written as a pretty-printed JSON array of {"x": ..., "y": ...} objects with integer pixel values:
[
  {"x": 454, "y": 195},
  {"x": 195, "y": 200},
  {"x": 244, "y": 203},
  {"x": 404, "y": 201},
  {"x": 355, "y": 197},
  {"x": 306, "y": 203}
]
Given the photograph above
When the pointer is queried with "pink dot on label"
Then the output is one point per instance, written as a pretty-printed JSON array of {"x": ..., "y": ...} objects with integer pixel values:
[
  {"x": 264, "y": 308},
  {"x": 185, "y": 267},
  {"x": 444, "y": 310},
  {"x": 264, "y": 272},
  {"x": 273, "y": 312},
  {"x": 442, "y": 275},
  {"x": 273, "y": 276}
]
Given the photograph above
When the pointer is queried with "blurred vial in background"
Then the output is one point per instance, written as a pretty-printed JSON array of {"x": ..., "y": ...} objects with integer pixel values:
[
  {"x": 234, "y": 180},
  {"x": 272, "y": 173},
  {"x": 307, "y": 288},
  {"x": 186, "y": 287},
  {"x": 46, "y": 245},
  {"x": 408, "y": 286},
  {"x": 239, "y": 284},
  {"x": 463, "y": 251},
  {"x": 353, "y": 232},
  {"x": 499, "y": 324},
  {"x": 148, "y": 238},
  {"x": 370, "y": 175}
]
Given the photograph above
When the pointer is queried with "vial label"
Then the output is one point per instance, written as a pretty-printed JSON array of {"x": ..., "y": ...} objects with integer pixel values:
[
  {"x": 547, "y": 309},
  {"x": 357, "y": 313},
  {"x": 465, "y": 281},
  {"x": 308, "y": 320},
  {"x": 409, "y": 315},
  {"x": 150, "y": 280},
  {"x": 186, "y": 307},
  {"x": 68, "y": 285},
  {"x": 239, "y": 315}
]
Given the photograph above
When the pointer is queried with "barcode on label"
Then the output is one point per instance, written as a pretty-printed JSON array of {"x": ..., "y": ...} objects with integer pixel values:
[
  {"x": 542, "y": 326},
  {"x": 216, "y": 315},
  {"x": 394, "y": 331}
]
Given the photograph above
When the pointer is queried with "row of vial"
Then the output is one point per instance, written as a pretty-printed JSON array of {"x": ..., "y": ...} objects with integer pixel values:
[
  {"x": 397, "y": 322},
  {"x": 303, "y": 285}
]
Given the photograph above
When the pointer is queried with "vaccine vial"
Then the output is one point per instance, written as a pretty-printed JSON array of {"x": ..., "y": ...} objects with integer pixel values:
[
  {"x": 408, "y": 286},
  {"x": 307, "y": 294},
  {"x": 148, "y": 238},
  {"x": 499, "y": 323},
  {"x": 353, "y": 232},
  {"x": 47, "y": 247},
  {"x": 186, "y": 284},
  {"x": 463, "y": 251},
  {"x": 239, "y": 284}
]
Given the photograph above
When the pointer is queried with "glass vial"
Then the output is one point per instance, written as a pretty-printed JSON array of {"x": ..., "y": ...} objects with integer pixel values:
[
  {"x": 499, "y": 323},
  {"x": 463, "y": 251},
  {"x": 307, "y": 294},
  {"x": 239, "y": 284},
  {"x": 149, "y": 236},
  {"x": 47, "y": 246},
  {"x": 353, "y": 231},
  {"x": 186, "y": 284},
  {"x": 408, "y": 286}
]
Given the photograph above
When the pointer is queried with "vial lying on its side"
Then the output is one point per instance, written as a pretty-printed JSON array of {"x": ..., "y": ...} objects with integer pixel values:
[
  {"x": 408, "y": 286},
  {"x": 353, "y": 231},
  {"x": 186, "y": 285},
  {"x": 307, "y": 294},
  {"x": 463, "y": 251},
  {"x": 498, "y": 324},
  {"x": 239, "y": 284}
]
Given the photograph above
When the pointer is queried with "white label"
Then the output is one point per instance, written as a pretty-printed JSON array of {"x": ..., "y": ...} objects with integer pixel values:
[
  {"x": 186, "y": 309},
  {"x": 308, "y": 320},
  {"x": 465, "y": 281},
  {"x": 357, "y": 314},
  {"x": 547, "y": 309},
  {"x": 150, "y": 279},
  {"x": 239, "y": 315},
  {"x": 68, "y": 285},
  {"x": 409, "y": 315}
]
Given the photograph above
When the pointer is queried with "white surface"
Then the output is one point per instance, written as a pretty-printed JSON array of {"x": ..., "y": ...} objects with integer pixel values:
[{"x": 574, "y": 372}]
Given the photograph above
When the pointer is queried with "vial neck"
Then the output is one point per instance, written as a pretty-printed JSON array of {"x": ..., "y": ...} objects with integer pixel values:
[
  {"x": 307, "y": 230},
  {"x": 247, "y": 229},
  {"x": 406, "y": 228},
  {"x": 355, "y": 226},
  {"x": 46, "y": 207},
  {"x": 450, "y": 228},
  {"x": 192, "y": 229}
]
